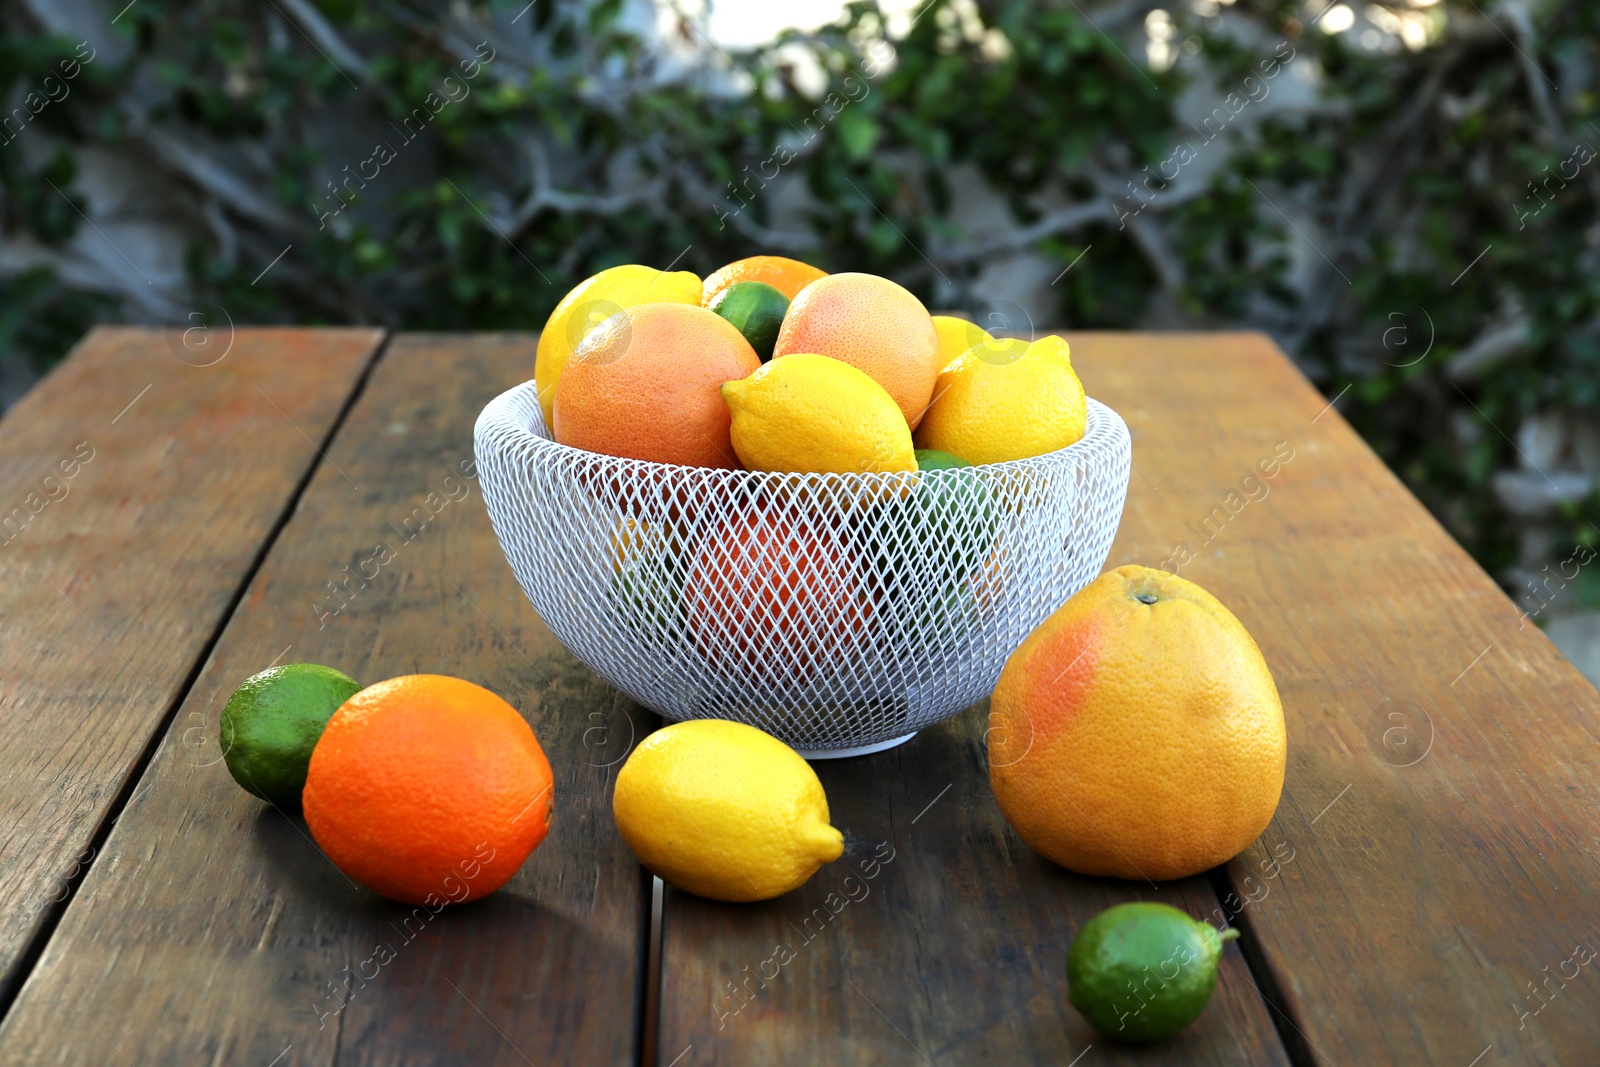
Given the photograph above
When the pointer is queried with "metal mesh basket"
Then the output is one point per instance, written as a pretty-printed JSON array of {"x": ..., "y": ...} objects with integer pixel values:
[{"x": 837, "y": 612}]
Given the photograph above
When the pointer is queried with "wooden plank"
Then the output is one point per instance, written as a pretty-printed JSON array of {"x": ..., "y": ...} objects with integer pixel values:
[
  {"x": 213, "y": 931},
  {"x": 953, "y": 953},
  {"x": 938, "y": 937},
  {"x": 137, "y": 489},
  {"x": 1439, "y": 905},
  {"x": 1443, "y": 767}
]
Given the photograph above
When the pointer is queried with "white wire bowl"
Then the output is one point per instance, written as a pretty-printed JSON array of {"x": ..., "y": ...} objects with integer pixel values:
[{"x": 840, "y": 613}]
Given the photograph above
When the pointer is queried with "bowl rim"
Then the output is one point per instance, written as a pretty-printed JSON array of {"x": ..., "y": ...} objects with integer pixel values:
[{"x": 1104, "y": 430}]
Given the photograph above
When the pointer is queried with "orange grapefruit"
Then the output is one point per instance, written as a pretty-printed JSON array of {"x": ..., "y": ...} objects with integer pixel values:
[
  {"x": 771, "y": 578},
  {"x": 1137, "y": 732},
  {"x": 647, "y": 385},
  {"x": 875, "y": 326},
  {"x": 788, "y": 276}
]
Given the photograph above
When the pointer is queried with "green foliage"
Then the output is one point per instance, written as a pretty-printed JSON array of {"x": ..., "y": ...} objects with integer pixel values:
[
  {"x": 579, "y": 145},
  {"x": 40, "y": 318}
]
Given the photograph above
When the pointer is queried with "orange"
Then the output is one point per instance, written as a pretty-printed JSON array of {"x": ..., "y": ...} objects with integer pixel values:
[
  {"x": 875, "y": 326},
  {"x": 646, "y": 384},
  {"x": 788, "y": 276},
  {"x": 1137, "y": 732},
  {"x": 776, "y": 578},
  {"x": 427, "y": 790}
]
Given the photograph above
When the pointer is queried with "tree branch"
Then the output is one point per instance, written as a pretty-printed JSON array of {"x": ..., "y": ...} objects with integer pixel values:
[
  {"x": 543, "y": 193},
  {"x": 215, "y": 179},
  {"x": 322, "y": 34},
  {"x": 1499, "y": 341}
]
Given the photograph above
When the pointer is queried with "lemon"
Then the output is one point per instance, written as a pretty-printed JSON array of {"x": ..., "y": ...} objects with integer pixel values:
[
  {"x": 594, "y": 301},
  {"x": 811, "y": 414},
  {"x": 956, "y": 336},
  {"x": 722, "y": 810},
  {"x": 1009, "y": 400}
]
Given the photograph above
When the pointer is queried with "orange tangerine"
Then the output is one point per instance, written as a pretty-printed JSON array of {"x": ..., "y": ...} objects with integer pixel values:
[
  {"x": 428, "y": 789},
  {"x": 788, "y": 276}
]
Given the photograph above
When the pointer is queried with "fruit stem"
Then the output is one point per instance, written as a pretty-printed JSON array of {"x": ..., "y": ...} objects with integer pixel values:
[{"x": 1230, "y": 934}]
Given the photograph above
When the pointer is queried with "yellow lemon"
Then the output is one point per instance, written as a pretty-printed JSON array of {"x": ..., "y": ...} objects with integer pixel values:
[
  {"x": 1006, "y": 400},
  {"x": 956, "y": 336},
  {"x": 722, "y": 810},
  {"x": 811, "y": 414},
  {"x": 594, "y": 301}
]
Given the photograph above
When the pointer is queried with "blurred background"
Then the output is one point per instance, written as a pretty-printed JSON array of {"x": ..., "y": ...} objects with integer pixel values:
[{"x": 1401, "y": 193}]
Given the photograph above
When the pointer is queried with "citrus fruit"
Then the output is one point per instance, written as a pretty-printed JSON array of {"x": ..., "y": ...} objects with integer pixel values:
[
  {"x": 1144, "y": 971},
  {"x": 931, "y": 459},
  {"x": 756, "y": 309},
  {"x": 647, "y": 580},
  {"x": 428, "y": 789},
  {"x": 1137, "y": 732},
  {"x": 777, "y": 579},
  {"x": 788, "y": 276},
  {"x": 592, "y": 302},
  {"x": 1010, "y": 400},
  {"x": 645, "y": 386},
  {"x": 722, "y": 810},
  {"x": 956, "y": 336},
  {"x": 272, "y": 722},
  {"x": 811, "y": 414},
  {"x": 951, "y": 523},
  {"x": 875, "y": 326}
]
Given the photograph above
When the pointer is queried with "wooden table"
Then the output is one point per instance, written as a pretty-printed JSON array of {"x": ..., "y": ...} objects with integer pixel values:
[{"x": 1426, "y": 893}]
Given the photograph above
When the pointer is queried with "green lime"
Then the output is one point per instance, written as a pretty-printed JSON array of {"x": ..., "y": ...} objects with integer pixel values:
[
  {"x": 273, "y": 721},
  {"x": 1142, "y": 972},
  {"x": 757, "y": 310},
  {"x": 931, "y": 459},
  {"x": 950, "y": 522},
  {"x": 647, "y": 583}
]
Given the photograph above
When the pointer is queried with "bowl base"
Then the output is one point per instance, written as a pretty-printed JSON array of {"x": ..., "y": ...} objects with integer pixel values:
[{"x": 859, "y": 750}]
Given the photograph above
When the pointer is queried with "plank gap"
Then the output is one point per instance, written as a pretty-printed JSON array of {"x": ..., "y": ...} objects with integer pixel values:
[
  {"x": 650, "y": 973},
  {"x": 1295, "y": 1044},
  {"x": 29, "y": 957}
]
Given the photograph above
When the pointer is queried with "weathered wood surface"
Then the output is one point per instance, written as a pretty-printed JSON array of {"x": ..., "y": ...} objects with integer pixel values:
[
  {"x": 954, "y": 953},
  {"x": 1424, "y": 894},
  {"x": 137, "y": 489},
  {"x": 1443, "y": 772},
  {"x": 938, "y": 937},
  {"x": 1432, "y": 866},
  {"x": 211, "y": 930}
]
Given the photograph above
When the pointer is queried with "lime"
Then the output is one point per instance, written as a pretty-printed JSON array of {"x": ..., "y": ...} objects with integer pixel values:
[
  {"x": 273, "y": 721},
  {"x": 931, "y": 459},
  {"x": 756, "y": 309},
  {"x": 647, "y": 580},
  {"x": 950, "y": 522},
  {"x": 1142, "y": 972}
]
